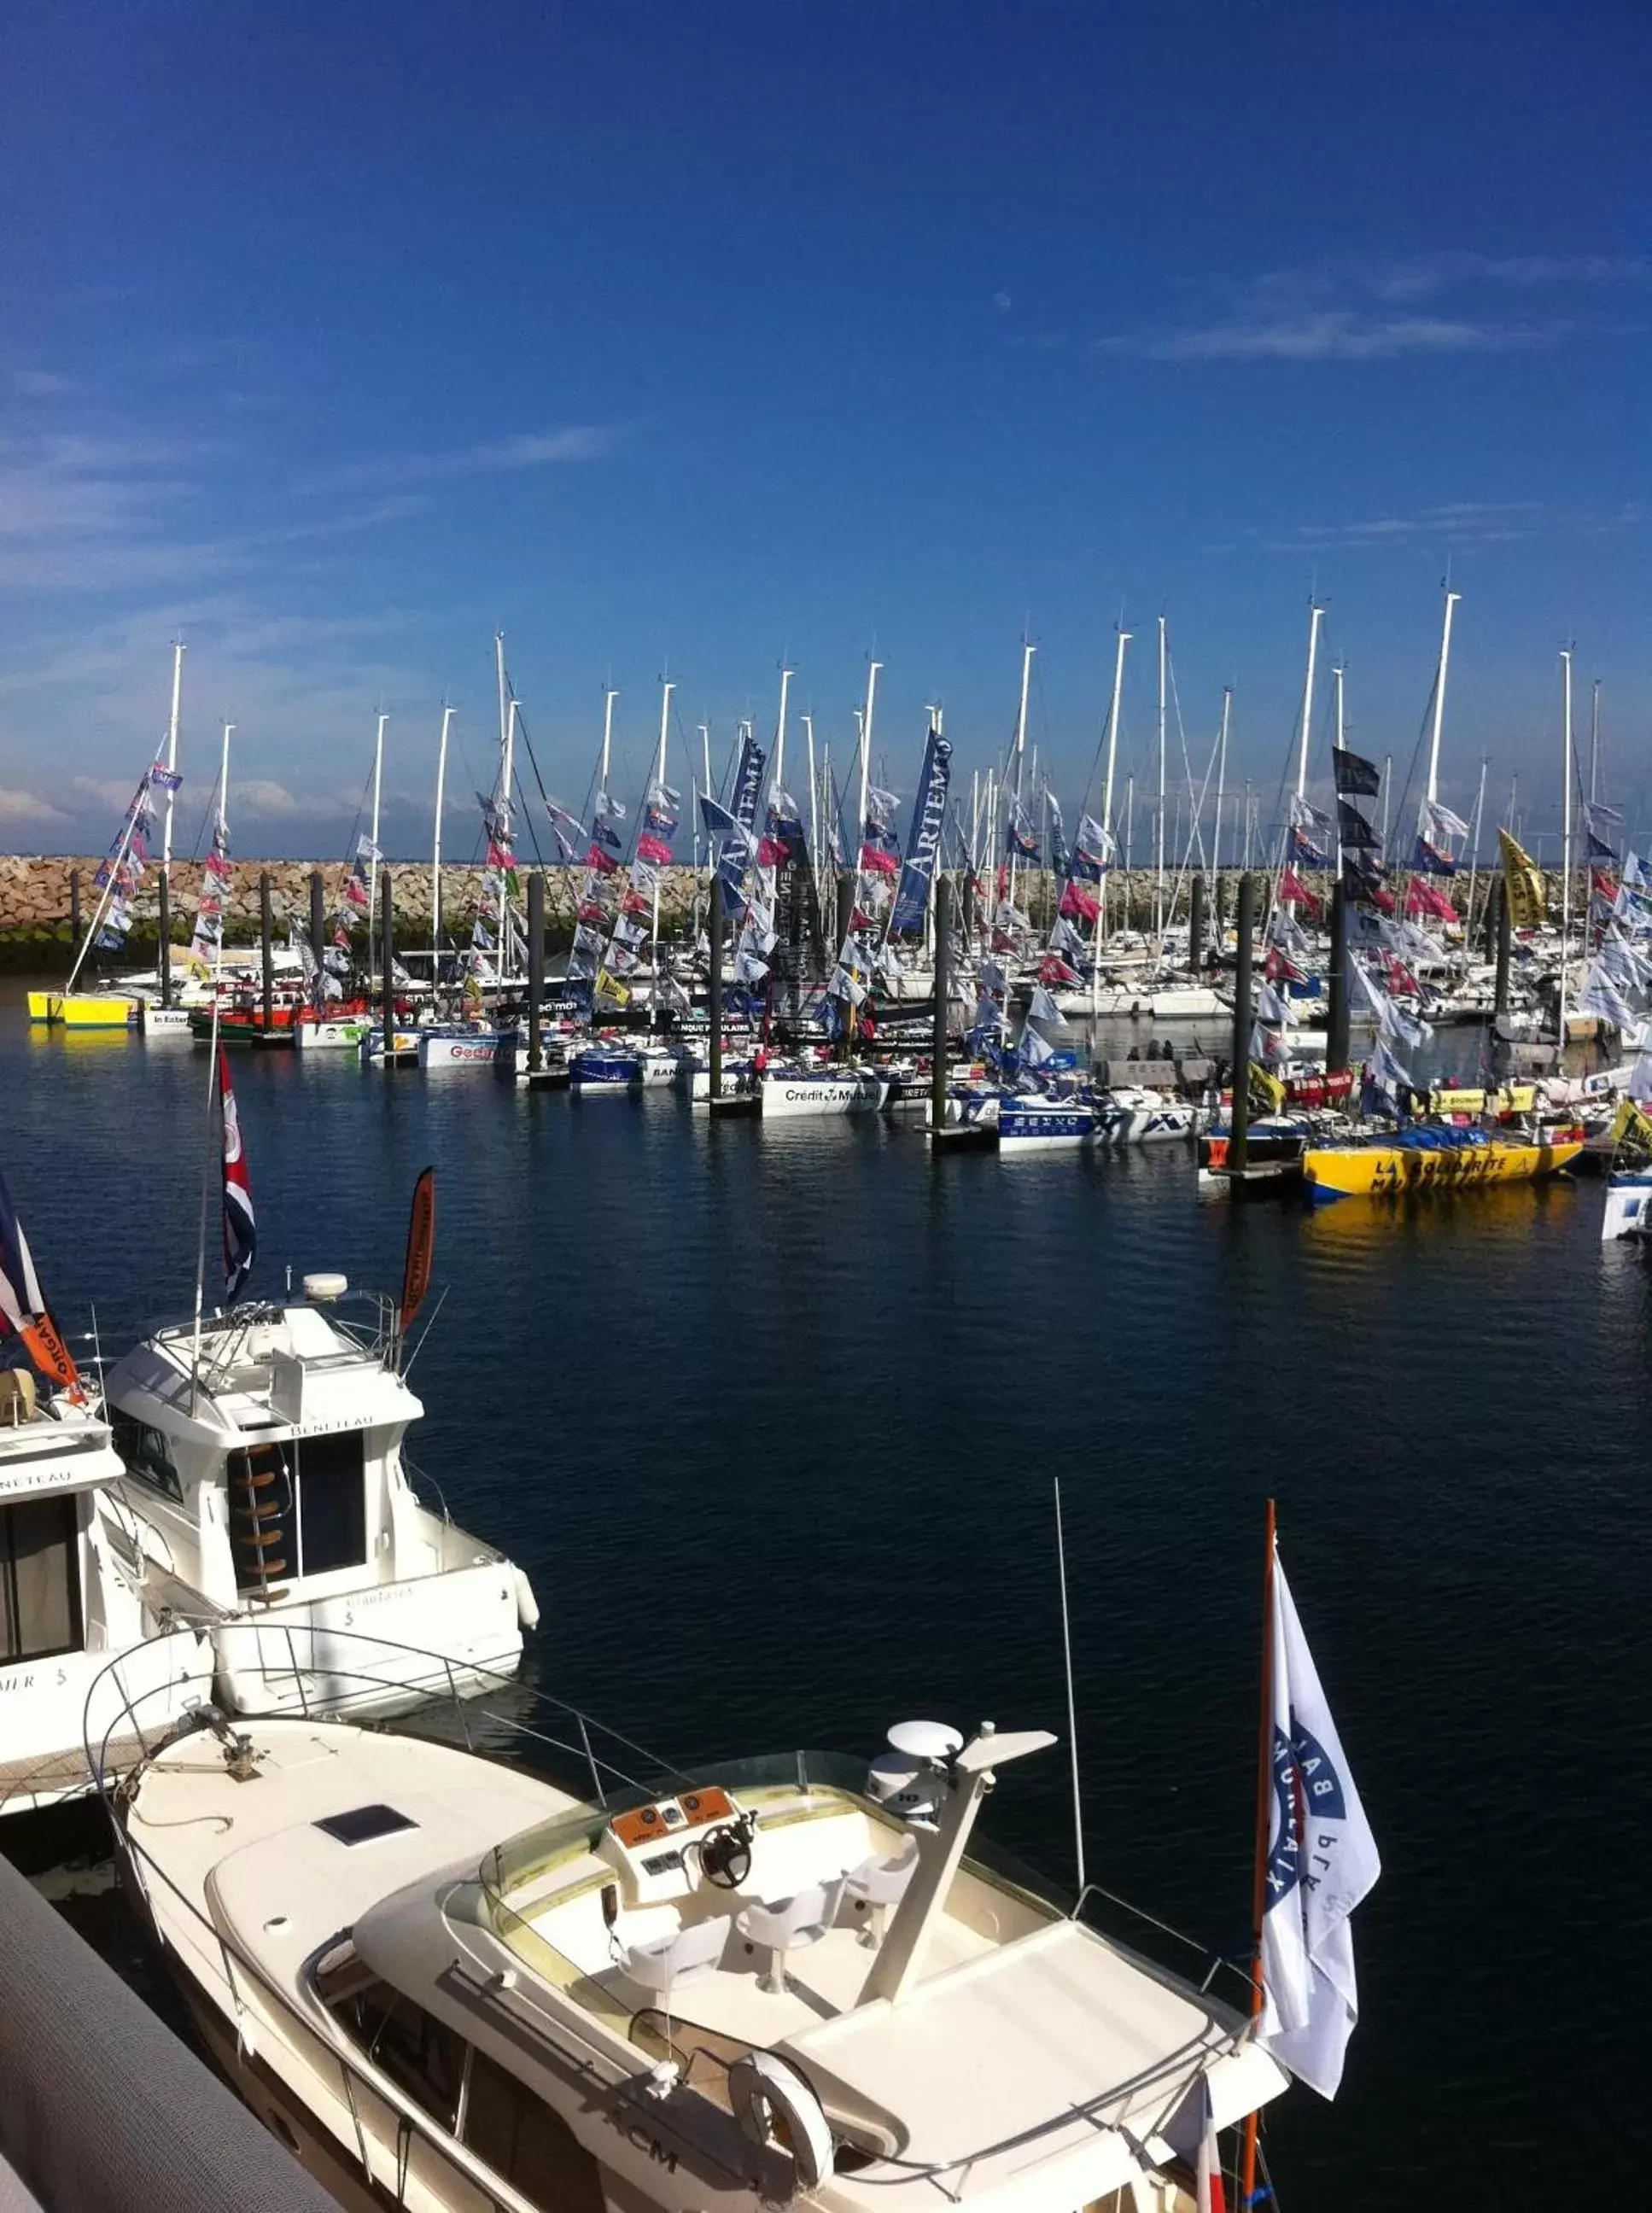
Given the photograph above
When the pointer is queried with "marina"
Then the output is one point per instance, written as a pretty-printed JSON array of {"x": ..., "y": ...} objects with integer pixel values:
[{"x": 932, "y": 1275}]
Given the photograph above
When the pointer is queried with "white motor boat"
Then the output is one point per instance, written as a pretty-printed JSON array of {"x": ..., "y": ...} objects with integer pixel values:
[
  {"x": 266, "y": 1484},
  {"x": 332, "y": 1032},
  {"x": 791, "y": 1093},
  {"x": 82, "y": 1638},
  {"x": 449, "y": 1984}
]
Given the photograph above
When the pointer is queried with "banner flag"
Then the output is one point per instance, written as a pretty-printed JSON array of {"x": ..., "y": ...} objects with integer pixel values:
[
  {"x": 239, "y": 1229},
  {"x": 1355, "y": 776},
  {"x": 1523, "y": 885},
  {"x": 923, "y": 837}
]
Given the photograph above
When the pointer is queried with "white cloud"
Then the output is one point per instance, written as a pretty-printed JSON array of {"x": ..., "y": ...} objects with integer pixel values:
[
  {"x": 108, "y": 791},
  {"x": 24, "y": 807},
  {"x": 270, "y": 801},
  {"x": 533, "y": 450},
  {"x": 1330, "y": 334},
  {"x": 1002, "y": 302},
  {"x": 39, "y": 383}
]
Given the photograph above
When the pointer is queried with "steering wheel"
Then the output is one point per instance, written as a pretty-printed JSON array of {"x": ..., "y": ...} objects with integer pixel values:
[{"x": 726, "y": 1853}]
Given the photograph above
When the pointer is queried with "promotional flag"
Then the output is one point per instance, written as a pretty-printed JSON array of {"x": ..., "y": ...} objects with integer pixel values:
[
  {"x": 421, "y": 1249},
  {"x": 22, "y": 1304},
  {"x": 923, "y": 836},
  {"x": 240, "y": 1230},
  {"x": 1354, "y": 776},
  {"x": 1077, "y": 901},
  {"x": 1052, "y": 969},
  {"x": 1423, "y": 899},
  {"x": 1430, "y": 859},
  {"x": 1302, "y": 853},
  {"x": 1322, "y": 1861},
  {"x": 1596, "y": 849},
  {"x": 1354, "y": 832},
  {"x": 875, "y": 860},
  {"x": 1439, "y": 823},
  {"x": 1522, "y": 883},
  {"x": 1292, "y": 886}
]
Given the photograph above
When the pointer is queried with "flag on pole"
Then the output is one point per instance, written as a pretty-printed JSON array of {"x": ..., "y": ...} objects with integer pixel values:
[
  {"x": 240, "y": 1232},
  {"x": 1322, "y": 1860},
  {"x": 1523, "y": 885},
  {"x": 22, "y": 1304}
]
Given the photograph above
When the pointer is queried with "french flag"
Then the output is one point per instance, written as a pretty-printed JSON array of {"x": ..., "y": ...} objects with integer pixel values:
[{"x": 240, "y": 1230}]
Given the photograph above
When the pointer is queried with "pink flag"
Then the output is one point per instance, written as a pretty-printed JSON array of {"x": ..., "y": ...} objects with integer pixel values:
[
  {"x": 1076, "y": 900},
  {"x": 1292, "y": 886}
]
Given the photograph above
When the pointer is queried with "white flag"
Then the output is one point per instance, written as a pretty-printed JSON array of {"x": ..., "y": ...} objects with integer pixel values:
[{"x": 1322, "y": 1859}]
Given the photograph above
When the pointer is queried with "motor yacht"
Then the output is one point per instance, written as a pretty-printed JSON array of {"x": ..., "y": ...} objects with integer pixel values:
[
  {"x": 447, "y": 1983},
  {"x": 77, "y": 1620},
  {"x": 266, "y": 1483}
]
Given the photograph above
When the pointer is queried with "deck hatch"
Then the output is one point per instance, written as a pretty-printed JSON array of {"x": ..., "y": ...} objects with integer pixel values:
[{"x": 362, "y": 1823}]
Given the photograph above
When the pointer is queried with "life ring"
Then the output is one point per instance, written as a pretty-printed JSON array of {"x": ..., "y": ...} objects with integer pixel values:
[{"x": 771, "y": 2101}]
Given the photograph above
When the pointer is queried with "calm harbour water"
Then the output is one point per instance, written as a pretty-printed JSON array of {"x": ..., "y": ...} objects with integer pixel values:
[{"x": 770, "y": 1417}]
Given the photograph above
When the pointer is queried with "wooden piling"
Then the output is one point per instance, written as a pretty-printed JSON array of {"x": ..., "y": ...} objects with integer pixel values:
[
  {"x": 938, "y": 1032},
  {"x": 1196, "y": 927},
  {"x": 73, "y": 914},
  {"x": 318, "y": 935},
  {"x": 1505, "y": 943},
  {"x": 164, "y": 957},
  {"x": 535, "y": 969},
  {"x": 1238, "y": 1129},
  {"x": 266, "y": 923},
  {"x": 1336, "y": 1041},
  {"x": 714, "y": 993},
  {"x": 387, "y": 948}
]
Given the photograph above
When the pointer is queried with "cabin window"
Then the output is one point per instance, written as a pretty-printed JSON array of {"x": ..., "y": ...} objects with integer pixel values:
[
  {"x": 40, "y": 1578},
  {"x": 516, "y": 2134},
  {"x": 421, "y": 2055},
  {"x": 331, "y": 1502},
  {"x": 147, "y": 1454}
]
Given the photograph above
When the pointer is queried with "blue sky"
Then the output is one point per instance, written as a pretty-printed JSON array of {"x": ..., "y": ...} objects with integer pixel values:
[{"x": 682, "y": 339}]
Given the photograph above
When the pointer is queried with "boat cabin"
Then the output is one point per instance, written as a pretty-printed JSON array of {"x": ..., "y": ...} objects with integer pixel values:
[
  {"x": 71, "y": 1604},
  {"x": 273, "y": 1502}
]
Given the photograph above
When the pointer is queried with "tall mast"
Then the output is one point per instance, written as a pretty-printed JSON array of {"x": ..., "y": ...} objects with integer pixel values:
[
  {"x": 212, "y": 1086},
  {"x": 1123, "y": 638},
  {"x": 1474, "y": 864},
  {"x": 500, "y": 680},
  {"x": 373, "y": 834},
  {"x": 1595, "y": 744},
  {"x": 1158, "y": 836},
  {"x": 1566, "y": 829},
  {"x": 704, "y": 729},
  {"x": 608, "y": 697},
  {"x": 1316, "y": 617},
  {"x": 436, "y": 842},
  {"x": 1452, "y": 599},
  {"x": 1337, "y": 675},
  {"x": 872, "y": 668},
  {"x": 1028, "y": 651},
  {"x": 1222, "y": 781},
  {"x": 667, "y": 689},
  {"x": 165, "y": 962},
  {"x": 779, "y": 771},
  {"x": 813, "y": 797}
]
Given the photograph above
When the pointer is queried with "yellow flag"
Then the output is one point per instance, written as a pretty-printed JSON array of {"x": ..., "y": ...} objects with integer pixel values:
[
  {"x": 1629, "y": 1122},
  {"x": 617, "y": 994},
  {"x": 1523, "y": 884},
  {"x": 1265, "y": 1089}
]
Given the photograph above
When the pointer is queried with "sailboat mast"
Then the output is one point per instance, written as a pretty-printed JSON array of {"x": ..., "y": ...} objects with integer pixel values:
[
  {"x": 1316, "y": 617},
  {"x": 1123, "y": 638},
  {"x": 1473, "y": 863},
  {"x": 813, "y": 798},
  {"x": 1028, "y": 651},
  {"x": 1594, "y": 743},
  {"x": 872, "y": 668},
  {"x": 1452, "y": 599},
  {"x": 777, "y": 775},
  {"x": 163, "y": 966},
  {"x": 1158, "y": 827},
  {"x": 1222, "y": 783},
  {"x": 1565, "y": 831},
  {"x": 373, "y": 837},
  {"x": 667, "y": 689},
  {"x": 436, "y": 842}
]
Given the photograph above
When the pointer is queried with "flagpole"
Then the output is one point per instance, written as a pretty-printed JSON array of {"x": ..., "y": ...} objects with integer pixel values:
[
  {"x": 1264, "y": 1807},
  {"x": 211, "y": 1081}
]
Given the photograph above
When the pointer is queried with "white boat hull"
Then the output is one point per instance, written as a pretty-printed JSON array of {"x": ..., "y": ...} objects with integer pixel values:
[
  {"x": 792, "y": 1098},
  {"x": 478, "y": 1050},
  {"x": 49, "y": 1723},
  {"x": 1042, "y": 1127},
  {"x": 1627, "y": 1212},
  {"x": 344, "y": 1034},
  {"x": 1190, "y": 1002}
]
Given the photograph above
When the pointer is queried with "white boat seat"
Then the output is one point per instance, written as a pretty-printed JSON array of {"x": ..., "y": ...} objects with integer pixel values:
[
  {"x": 790, "y": 1924},
  {"x": 688, "y": 1955},
  {"x": 878, "y": 1884}
]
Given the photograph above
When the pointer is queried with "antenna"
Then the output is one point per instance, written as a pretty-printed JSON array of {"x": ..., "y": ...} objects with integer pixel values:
[{"x": 1072, "y": 1715}]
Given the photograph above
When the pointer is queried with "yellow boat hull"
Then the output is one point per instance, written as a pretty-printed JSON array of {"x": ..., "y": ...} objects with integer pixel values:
[
  {"x": 1380, "y": 1171},
  {"x": 81, "y": 1010}
]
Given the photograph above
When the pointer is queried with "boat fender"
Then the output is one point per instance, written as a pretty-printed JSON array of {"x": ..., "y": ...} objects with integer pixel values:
[
  {"x": 772, "y": 2102},
  {"x": 527, "y": 1607}
]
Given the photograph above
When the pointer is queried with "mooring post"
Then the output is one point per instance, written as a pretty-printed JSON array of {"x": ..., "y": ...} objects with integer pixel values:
[
  {"x": 1336, "y": 1036},
  {"x": 535, "y": 966},
  {"x": 1239, "y": 1131},
  {"x": 318, "y": 936},
  {"x": 74, "y": 913},
  {"x": 846, "y": 884},
  {"x": 266, "y": 923},
  {"x": 388, "y": 947},
  {"x": 1196, "y": 927},
  {"x": 164, "y": 972},
  {"x": 942, "y": 992},
  {"x": 1505, "y": 943},
  {"x": 714, "y": 989}
]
